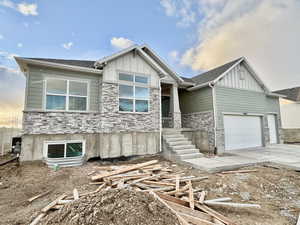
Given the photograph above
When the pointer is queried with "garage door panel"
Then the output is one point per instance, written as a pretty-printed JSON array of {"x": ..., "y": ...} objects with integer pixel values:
[{"x": 242, "y": 132}]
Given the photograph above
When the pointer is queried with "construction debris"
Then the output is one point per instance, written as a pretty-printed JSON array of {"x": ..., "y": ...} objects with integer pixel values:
[
  {"x": 174, "y": 191},
  {"x": 38, "y": 196}
]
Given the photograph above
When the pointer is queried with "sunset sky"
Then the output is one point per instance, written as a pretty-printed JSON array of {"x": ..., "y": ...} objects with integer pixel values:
[{"x": 191, "y": 35}]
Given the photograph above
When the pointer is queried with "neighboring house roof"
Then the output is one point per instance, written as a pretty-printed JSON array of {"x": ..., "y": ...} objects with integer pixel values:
[
  {"x": 186, "y": 79},
  {"x": 290, "y": 93},
  {"x": 71, "y": 62}
]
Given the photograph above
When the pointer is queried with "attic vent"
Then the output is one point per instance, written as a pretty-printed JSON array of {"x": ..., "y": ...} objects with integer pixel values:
[{"x": 242, "y": 73}]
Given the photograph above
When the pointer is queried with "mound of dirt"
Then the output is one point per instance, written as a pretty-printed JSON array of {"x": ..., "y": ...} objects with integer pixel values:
[{"x": 113, "y": 207}]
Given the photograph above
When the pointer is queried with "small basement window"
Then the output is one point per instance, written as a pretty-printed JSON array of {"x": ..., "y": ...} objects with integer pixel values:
[{"x": 64, "y": 149}]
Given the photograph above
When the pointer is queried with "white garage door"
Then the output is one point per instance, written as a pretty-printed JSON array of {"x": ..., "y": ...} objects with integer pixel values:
[{"x": 242, "y": 132}]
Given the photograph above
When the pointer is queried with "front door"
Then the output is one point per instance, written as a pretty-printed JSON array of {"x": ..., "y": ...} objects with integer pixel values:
[{"x": 272, "y": 129}]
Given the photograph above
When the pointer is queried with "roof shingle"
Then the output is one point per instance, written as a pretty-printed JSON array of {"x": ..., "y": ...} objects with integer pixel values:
[
  {"x": 290, "y": 93},
  {"x": 70, "y": 62}
]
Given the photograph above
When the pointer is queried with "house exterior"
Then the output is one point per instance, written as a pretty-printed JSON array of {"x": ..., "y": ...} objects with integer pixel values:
[
  {"x": 234, "y": 106},
  {"x": 290, "y": 111},
  {"x": 119, "y": 106}
]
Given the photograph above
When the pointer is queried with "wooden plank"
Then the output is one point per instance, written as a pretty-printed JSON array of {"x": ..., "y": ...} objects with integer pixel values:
[
  {"x": 50, "y": 205},
  {"x": 37, "y": 219},
  {"x": 195, "y": 220},
  {"x": 173, "y": 199},
  {"x": 181, "y": 220},
  {"x": 124, "y": 170},
  {"x": 231, "y": 204},
  {"x": 202, "y": 197},
  {"x": 177, "y": 182},
  {"x": 75, "y": 194},
  {"x": 191, "y": 195},
  {"x": 186, "y": 187},
  {"x": 215, "y": 214},
  {"x": 218, "y": 200},
  {"x": 8, "y": 161},
  {"x": 93, "y": 192},
  {"x": 38, "y": 196},
  {"x": 158, "y": 183},
  {"x": 238, "y": 171},
  {"x": 141, "y": 179},
  {"x": 195, "y": 179},
  {"x": 189, "y": 211},
  {"x": 298, "y": 223}
]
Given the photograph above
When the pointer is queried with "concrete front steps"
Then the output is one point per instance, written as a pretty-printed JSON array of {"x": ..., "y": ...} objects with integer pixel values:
[
  {"x": 64, "y": 162},
  {"x": 178, "y": 147}
]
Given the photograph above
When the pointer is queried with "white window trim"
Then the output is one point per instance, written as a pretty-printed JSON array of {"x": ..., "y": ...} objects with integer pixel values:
[
  {"x": 64, "y": 142},
  {"x": 67, "y": 95},
  {"x": 134, "y": 85}
]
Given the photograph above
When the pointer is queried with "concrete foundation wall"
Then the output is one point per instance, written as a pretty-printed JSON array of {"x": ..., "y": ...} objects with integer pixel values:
[
  {"x": 200, "y": 138},
  {"x": 104, "y": 145},
  {"x": 291, "y": 135}
]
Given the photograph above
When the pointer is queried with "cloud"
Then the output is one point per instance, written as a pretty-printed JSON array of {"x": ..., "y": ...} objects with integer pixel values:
[
  {"x": 20, "y": 45},
  {"x": 68, "y": 45},
  {"x": 12, "y": 82},
  {"x": 24, "y": 8},
  {"x": 7, "y": 55},
  {"x": 121, "y": 42},
  {"x": 266, "y": 32},
  {"x": 1, "y": 37},
  {"x": 173, "y": 55},
  {"x": 181, "y": 10}
]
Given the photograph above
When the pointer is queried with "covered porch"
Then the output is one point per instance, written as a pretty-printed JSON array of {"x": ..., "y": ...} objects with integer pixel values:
[{"x": 170, "y": 110}]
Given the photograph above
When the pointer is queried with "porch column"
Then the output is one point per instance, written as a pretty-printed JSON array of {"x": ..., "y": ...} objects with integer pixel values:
[{"x": 174, "y": 107}]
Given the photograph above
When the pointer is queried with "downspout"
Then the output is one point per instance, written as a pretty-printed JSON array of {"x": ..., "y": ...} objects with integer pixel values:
[
  {"x": 211, "y": 85},
  {"x": 160, "y": 116}
]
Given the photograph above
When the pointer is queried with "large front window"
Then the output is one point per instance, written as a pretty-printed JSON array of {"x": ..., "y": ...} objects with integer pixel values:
[
  {"x": 133, "y": 93},
  {"x": 66, "y": 95},
  {"x": 64, "y": 149}
]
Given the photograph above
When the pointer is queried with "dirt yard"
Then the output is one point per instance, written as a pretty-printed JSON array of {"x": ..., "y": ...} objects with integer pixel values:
[{"x": 276, "y": 190}]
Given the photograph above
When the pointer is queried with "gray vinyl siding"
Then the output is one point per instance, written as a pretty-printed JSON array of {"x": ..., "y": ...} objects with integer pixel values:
[
  {"x": 230, "y": 100},
  {"x": 37, "y": 75},
  {"x": 196, "y": 101}
]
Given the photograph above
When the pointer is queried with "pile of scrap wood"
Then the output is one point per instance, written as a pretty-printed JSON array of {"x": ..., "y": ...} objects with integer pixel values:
[{"x": 174, "y": 190}]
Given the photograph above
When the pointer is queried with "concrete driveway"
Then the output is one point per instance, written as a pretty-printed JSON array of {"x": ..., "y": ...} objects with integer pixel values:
[{"x": 287, "y": 156}]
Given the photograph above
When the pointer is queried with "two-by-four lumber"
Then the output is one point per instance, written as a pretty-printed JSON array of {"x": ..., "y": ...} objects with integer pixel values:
[
  {"x": 181, "y": 220},
  {"x": 177, "y": 182},
  {"x": 232, "y": 204},
  {"x": 158, "y": 183},
  {"x": 298, "y": 223},
  {"x": 38, "y": 196},
  {"x": 37, "y": 219},
  {"x": 124, "y": 170},
  {"x": 50, "y": 205},
  {"x": 75, "y": 194},
  {"x": 226, "y": 199},
  {"x": 202, "y": 197},
  {"x": 195, "y": 220},
  {"x": 238, "y": 171},
  {"x": 215, "y": 214},
  {"x": 191, "y": 195}
]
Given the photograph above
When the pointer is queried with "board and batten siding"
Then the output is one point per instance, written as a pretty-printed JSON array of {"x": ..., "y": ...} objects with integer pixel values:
[
  {"x": 196, "y": 101},
  {"x": 231, "y": 100},
  {"x": 37, "y": 76},
  {"x": 239, "y": 77},
  {"x": 131, "y": 63}
]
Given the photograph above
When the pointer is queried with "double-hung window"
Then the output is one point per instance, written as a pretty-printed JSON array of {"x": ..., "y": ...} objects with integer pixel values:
[
  {"x": 66, "y": 95},
  {"x": 134, "y": 93}
]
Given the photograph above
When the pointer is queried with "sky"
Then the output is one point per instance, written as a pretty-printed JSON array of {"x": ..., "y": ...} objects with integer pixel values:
[{"x": 191, "y": 35}]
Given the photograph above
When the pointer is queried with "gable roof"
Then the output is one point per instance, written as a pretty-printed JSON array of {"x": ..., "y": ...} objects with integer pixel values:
[
  {"x": 213, "y": 74},
  {"x": 71, "y": 62},
  {"x": 290, "y": 93}
]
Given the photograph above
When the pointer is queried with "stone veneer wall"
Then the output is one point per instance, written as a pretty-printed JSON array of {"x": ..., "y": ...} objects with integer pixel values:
[
  {"x": 201, "y": 121},
  {"x": 107, "y": 121}
]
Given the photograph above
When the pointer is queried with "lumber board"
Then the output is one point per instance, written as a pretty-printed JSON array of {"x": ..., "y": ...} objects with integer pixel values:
[
  {"x": 75, "y": 194},
  {"x": 191, "y": 195},
  {"x": 51, "y": 204},
  {"x": 189, "y": 211},
  {"x": 38, "y": 196},
  {"x": 8, "y": 161},
  {"x": 173, "y": 199},
  {"x": 37, "y": 219},
  {"x": 218, "y": 200},
  {"x": 215, "y": 214},
  {"x": 158, "y": 183},
  {"x": 202, "y": 196},
  {"x": 298, "y": 222},
  {"x": 186, "y": 187},
  {"x": 238, "y": 171},
  {"x": 181, "y": 220},
  {"x": 232, "y": 204},
  {"x": 195, "y": 220},
  {"x": 124, "y": 170},
  {"x": 177, "y": 182}
]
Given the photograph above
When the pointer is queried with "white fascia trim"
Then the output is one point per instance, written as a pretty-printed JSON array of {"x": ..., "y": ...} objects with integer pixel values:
[
  {"x": 276, "y": 95},
  {"x": 162, "y": 62},
  {"x": 199, "y": 86},
  {"x": 22, "y": 61}
]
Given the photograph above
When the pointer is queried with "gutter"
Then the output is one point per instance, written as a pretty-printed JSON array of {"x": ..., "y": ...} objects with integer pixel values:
[
  {"x": 207, "y": 84},
  {"x": 211, "y": 85}
]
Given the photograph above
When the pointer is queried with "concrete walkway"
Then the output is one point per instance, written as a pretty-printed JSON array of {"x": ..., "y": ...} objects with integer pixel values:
[{"x": 287, "y": 156}]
